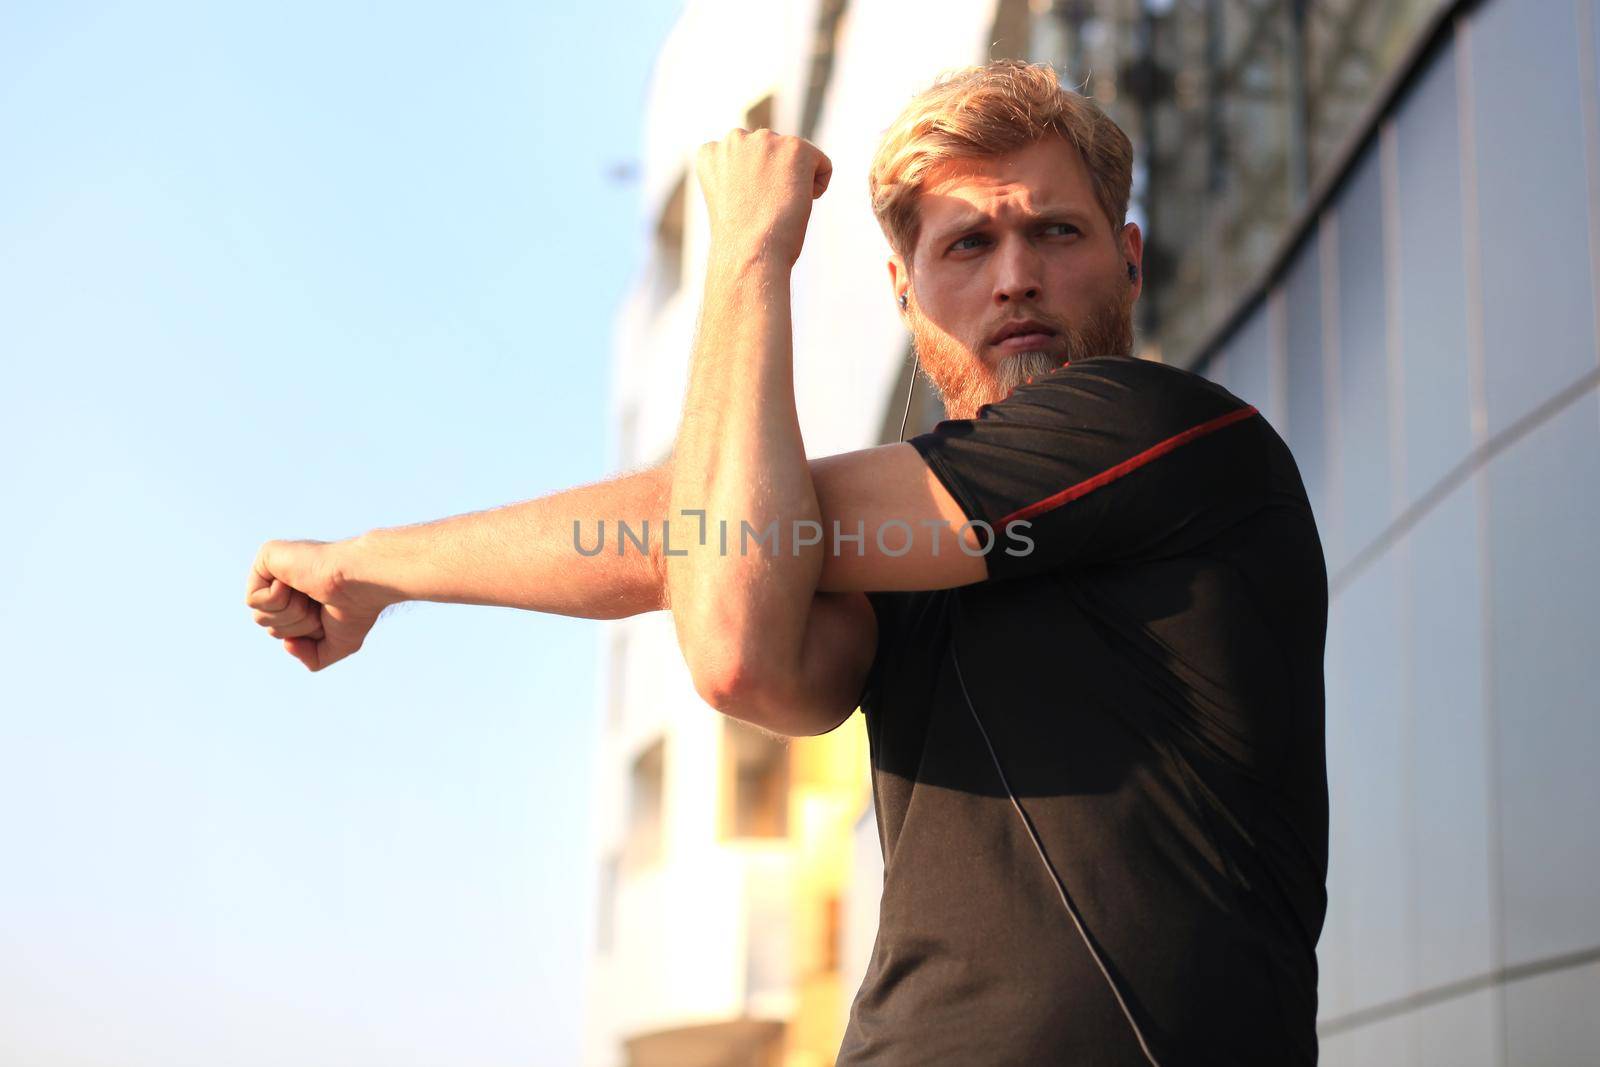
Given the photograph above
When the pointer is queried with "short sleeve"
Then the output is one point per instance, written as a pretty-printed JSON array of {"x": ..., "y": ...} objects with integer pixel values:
[{"x": 1100, "y": 461}]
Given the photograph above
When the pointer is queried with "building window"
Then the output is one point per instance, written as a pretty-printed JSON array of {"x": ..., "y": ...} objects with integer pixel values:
[
  {"x": 832, "y": 932},
  {"x": 1237, "y": 110},
  {"x": 606, "y": 906},
  {"x": 619, "y": 670},
  {"x": 627, "y": 435},
  {"x": 670, "y": 252},
  {"x": 642, "y": 847},
  {"x": 759, "y": 116},
  {"x": 755, "y": 782}
]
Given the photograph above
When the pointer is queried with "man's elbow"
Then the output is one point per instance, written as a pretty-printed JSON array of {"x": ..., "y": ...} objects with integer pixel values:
[
  {"x": 719, "y": 689},
  {"x": 734, "y": 689},
  {"x": 660, "y": 590},
  {"x": 762, "y": 700}
]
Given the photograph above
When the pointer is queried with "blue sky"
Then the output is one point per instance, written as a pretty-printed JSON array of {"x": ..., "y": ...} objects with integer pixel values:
[{"x": 297, "y": 271}]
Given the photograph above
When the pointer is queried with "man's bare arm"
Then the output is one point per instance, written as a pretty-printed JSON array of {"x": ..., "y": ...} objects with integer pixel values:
[
  {"x": 538, "y": 555},
  {"x": 322, "y": 598},
  {"x": 741, "y": 617}
]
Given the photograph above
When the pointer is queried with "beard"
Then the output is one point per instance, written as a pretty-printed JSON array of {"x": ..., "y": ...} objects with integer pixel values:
[{"x": 966, "y": 382}]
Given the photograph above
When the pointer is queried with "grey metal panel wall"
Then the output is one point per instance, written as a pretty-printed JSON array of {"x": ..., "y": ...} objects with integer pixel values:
[
  {"x": 1250, "y": 367},
  {"x": 1305, "y": 416},
  {"x": 1362, "y": 380},
  {"x": 1371, "y": 872},
  {"x": 1544, "y": 528},
  {"x": 1538, "y": 311},
  {"x": 1432, "y": 280},
  {"x": 1434, "y": 347},
  {"x": 1450, "y": 781}
]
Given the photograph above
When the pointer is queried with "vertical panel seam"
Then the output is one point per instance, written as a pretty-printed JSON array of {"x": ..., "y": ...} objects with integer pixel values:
[
  {"x": 1408, "y": 756},
  {"x": 1589, "y": 102},
  {"x": 1328, "y": 265},
  {"x": 1470, "y": 239},
  {"x": 1472, "y": 254},
  {"x": 1278, "y": 356},
  {"x": 1389, "y": 169},
  {"x": 1389, "y": 176}
]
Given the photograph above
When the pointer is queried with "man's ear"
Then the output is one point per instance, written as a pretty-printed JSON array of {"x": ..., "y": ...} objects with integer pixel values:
[
  {"x": 1131, "y": 245},
  {"x": 899, "y": 277}
]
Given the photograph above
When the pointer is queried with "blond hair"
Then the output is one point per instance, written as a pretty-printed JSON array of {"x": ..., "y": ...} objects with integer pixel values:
[{"x": 990, "y": 110}]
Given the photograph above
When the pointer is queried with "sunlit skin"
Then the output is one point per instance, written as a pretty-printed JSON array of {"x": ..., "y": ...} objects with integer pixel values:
[
  {"x": 785, "y": 639},
  {"x": 1017, "y": 236}
]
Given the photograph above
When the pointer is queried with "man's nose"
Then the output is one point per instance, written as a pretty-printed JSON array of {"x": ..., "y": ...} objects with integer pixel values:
[{"x": 1017, "y": 271}]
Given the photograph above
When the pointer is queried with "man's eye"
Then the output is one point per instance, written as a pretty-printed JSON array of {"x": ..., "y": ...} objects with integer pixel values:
[
  {"x": 1069, "y": 227},
  {"x": 957, "y": 246}
]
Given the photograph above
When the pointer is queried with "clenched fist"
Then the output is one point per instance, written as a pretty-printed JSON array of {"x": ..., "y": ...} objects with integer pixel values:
[
  {"x": 305, "y": 593},
  {"x": 758, "y": 189}
]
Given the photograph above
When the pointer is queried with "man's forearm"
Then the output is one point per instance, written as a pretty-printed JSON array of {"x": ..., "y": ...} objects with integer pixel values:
[
  {"x": 526, "y": 555},
  {"x": 740, "y": 457}
]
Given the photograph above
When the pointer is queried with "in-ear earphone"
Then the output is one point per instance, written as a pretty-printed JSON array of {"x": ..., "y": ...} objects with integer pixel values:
[{"x": 910, "y": 385}]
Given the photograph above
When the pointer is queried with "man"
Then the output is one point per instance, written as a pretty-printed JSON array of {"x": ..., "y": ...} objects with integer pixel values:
[{"x": 1094, "y": 703}]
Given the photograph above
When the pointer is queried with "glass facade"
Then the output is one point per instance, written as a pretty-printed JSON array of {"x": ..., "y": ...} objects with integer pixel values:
[{"x": 1237, "y": 110}]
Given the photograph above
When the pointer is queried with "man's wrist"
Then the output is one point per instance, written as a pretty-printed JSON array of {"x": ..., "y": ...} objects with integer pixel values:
[
  {"x": 371, "y": 562},
  {"x": 745, "y": 259}
]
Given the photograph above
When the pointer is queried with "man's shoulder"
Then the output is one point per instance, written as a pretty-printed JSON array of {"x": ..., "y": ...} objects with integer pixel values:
[
  {"x": 1134, "y": 371},
  {"x": 1127, "y": 392}
]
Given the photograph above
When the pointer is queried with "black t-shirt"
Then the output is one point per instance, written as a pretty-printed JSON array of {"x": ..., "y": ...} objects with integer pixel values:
[{"x": 1150, "y": 676}]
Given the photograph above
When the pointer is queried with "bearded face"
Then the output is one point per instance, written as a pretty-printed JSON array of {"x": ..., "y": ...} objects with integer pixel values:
[
  {"x": 966, "y": 380},
  {"x": 1017, "y": 270}
]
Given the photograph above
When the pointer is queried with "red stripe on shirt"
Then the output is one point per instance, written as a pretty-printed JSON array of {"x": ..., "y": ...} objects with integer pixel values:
[{"x": 1133, "y": 463}]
